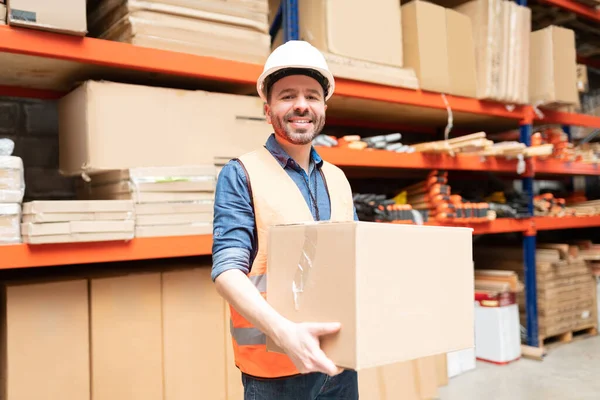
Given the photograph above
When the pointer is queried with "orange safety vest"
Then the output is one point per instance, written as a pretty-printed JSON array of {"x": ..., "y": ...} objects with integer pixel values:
[{"x": 277, "y": 200}]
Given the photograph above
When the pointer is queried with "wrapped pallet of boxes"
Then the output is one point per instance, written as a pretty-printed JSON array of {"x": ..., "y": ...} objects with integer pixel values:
[
  {"x": 61, "y": 16},
  {"x": 553, "y": 68},
  {"x": 350, "y": 272},
  {"x": 108, "y": 126},
  {"x": 360, "y": 40},
  {"x": 235, "y": 30},
  {"x": 168, "y": 201},
  {"x": 501, "y": 31},
  {"x": 45, "y": 340},
  {"x": 67, "y": 221},
  {"x": 565, "y": 287}
]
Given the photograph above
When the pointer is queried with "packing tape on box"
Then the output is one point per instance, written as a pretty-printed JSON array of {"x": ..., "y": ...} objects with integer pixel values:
[{"x": 305, "y": 263}]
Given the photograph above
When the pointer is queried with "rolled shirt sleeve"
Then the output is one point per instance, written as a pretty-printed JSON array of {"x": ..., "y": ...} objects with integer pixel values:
[{"x": 233, "y": 223}]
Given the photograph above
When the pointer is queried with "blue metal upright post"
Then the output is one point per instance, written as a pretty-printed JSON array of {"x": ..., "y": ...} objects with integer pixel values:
[
  {"x": 527, "y": 182},
  {"x": 290, "y": 20},
  {"x": 529, "y": 249}
]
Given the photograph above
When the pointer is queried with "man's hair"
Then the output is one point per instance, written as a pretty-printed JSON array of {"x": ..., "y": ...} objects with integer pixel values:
[{"x": 282, "y": 73}]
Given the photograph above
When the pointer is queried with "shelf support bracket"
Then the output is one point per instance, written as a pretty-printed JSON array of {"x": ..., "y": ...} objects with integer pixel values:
[{"x": 290, "y": 20}]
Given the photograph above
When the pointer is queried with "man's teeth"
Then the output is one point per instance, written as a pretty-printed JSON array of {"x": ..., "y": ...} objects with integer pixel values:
[{"x": 303, "y": 121}]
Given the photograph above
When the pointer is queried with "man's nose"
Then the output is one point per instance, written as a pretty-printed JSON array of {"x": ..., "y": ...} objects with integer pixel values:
[{"x": 301, "y": 104}]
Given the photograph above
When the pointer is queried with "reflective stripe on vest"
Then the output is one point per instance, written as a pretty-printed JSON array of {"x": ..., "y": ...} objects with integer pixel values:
[
  {"x": 260, "y": 281},
  {"x": 247, "y": 336}
]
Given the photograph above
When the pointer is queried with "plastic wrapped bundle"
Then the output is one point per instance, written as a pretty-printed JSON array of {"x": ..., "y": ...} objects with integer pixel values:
[
  {"x": 10, "y": 224},
  {"x": 12, "y": 178}
]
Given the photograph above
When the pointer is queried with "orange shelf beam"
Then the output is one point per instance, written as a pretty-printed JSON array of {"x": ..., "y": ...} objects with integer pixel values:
[
  {"x": 46, "y": 255},
  {"x": 575, "y": 7},
  {"x": 500, "y": 225},
  {"x": 564, "y": 118},
  {"x": 420, "y": 98},
  {"x": 343, "y": 157},
  {"x": 556, "y": 167},
  {"x": 123, "y": 55},
  {"x": 551, "y": 223}
]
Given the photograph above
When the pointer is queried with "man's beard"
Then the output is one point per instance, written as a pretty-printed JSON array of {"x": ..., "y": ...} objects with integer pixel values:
[{"x": 298, "y": 136}]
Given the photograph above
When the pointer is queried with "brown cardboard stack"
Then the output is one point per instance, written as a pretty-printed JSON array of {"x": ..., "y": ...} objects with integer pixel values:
[
  {"x": 157, "y": 335},
  {"x": 501, "y": 30},
  {"x": 438, "y": 45},
  {"x": 66, "y": 221},
  {"x": 235, "y": 30},
  {"x": 45, "y": 340},
  {"x": 553, "y": 71},
  {"x": 360, "y": 40},
  {"x": 565, "y": 286},
  {"x": 107, "y": 126},
  {"x": 12, "y": 190},
  {"x": 169, "y": 201}
]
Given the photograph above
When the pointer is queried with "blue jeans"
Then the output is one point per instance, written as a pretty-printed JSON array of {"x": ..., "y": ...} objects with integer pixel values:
[{"x": 314, "y": 386}]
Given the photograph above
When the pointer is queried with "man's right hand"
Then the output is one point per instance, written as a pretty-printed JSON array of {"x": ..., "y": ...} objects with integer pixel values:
[{"x": 301, "y": 343}]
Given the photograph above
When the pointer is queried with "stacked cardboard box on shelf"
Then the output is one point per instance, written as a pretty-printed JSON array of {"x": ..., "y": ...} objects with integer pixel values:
[
  {"x": 12, "y": 190},
  {"x": 553, "y": 71},
  {"x": 438, "y": 45},
  {"x": 236, "y": 30},
  {"x": 108, "y": 126},
  {"x": 68, "y": 221},
  {"x": 501, "y": 30},
  {"x": 371, "y": 53},
  {"x": 565, "y": 286},
  {"x": 169, "y": 201},
  {"x": 61, "y": 16}
]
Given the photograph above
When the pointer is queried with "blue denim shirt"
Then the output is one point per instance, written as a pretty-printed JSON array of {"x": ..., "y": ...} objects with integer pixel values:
[{"x": 233, "y": 224}]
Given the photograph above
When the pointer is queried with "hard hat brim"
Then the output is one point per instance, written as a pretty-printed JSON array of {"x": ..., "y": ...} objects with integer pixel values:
[{"x": 261, "y": 79}]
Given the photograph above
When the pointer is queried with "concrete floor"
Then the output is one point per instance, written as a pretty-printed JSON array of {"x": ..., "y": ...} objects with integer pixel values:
[{"x": 569, "y": 371}]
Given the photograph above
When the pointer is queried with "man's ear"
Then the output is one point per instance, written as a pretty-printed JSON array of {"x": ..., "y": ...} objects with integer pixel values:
[
  {"x": 325, "y": 108},
  {"x": 267, "y": 110}
]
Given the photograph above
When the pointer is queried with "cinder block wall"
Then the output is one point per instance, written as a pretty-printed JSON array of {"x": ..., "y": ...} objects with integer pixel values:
[{"x": 33, "y": 126}]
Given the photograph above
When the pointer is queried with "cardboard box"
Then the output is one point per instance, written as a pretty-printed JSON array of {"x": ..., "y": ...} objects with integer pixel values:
[
  {"x": 353, "y": 28},
  {"x": 425, "y": 46},
  {"x": 62, "y": 16},
  {"x": 45, "y": 340},
  {"x": 126, "y": 337},
  {"x": 438, "y": 45},
  {"x": 103, "y": 125},
  {"x": 355, "y": 272},
  {"x": 193, "y": 326},
  {"x": 3, "y": 13},
  {"x": 553, "y": 67},
  {"x": 461, "y": 54}
]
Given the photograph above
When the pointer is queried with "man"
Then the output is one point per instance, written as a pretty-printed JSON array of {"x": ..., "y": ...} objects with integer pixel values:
[{"x": 284, "y": 182}]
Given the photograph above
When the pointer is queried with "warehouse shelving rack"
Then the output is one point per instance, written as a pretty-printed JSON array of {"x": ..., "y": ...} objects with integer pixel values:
[{"x": 47, "y": 65}]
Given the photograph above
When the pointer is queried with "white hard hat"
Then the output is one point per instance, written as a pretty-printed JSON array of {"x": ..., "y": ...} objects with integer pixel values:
[{"x": 296, "y": 54}]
